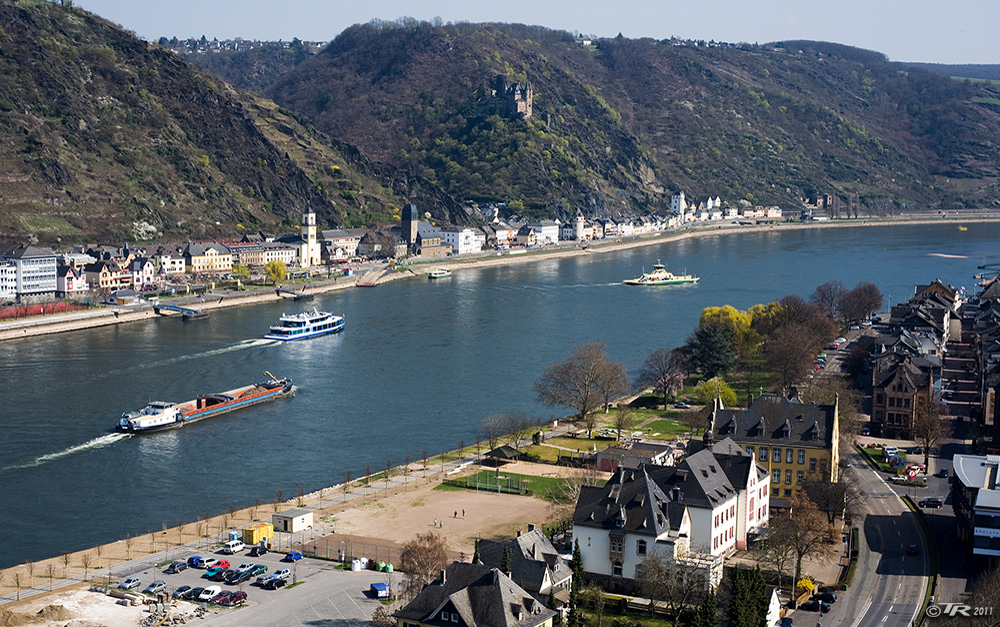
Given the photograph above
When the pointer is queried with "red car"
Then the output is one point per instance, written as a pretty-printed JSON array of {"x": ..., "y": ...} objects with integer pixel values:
[
  {"x": 235, "y": 598},
  {"x": 222, "y": 598},
  {"x": 223, "y": 564}
]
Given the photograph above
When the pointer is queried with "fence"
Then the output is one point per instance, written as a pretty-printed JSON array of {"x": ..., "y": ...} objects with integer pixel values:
[{"x": 488, "y": 481}]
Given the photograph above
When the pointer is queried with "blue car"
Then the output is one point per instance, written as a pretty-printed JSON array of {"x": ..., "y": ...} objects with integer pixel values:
[
  {"x": 292, "y": 556},
  {"x": 194, "y": 561}
]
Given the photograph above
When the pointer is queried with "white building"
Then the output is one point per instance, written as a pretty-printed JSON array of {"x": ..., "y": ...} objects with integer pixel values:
[
  {"x": 546, "y": 232},
  {"x": 679, "y": 206},
  {"x": 34, "y": 269},
  {"x": 292, "y": 520},
  {"x": 69, "y": 281},
  {"x": 463, "y": 239},
  {"x": 8, "y": 280},
  {"x": 168, "y": 262}
]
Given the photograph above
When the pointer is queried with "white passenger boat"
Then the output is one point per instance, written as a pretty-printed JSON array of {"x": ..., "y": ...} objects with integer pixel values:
[
  {"x": 440, "y": 273},
  {"x": 304, "y": 325}
]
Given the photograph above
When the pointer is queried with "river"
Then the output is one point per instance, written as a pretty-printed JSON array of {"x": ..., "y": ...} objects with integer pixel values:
[{"x": 418, "y": 366}]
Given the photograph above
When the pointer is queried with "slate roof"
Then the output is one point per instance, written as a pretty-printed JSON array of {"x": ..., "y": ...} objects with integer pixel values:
[
  {"x": 906, "y": 367},
  {"x": 532, "y": 556},
  {"x": 198, "y": 249},
  {"x": 630, "y": 501},
  {"x": 23, "y": 251},
  {"x": 699, "y": 481},
  {"x": 480, "y": 595},
  {"x": 774, "y": 418}
]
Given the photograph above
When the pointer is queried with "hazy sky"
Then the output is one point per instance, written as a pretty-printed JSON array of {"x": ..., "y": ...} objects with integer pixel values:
[{"x": 961, "y": 31}]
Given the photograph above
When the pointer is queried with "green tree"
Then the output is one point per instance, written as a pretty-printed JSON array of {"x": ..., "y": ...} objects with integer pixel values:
[
  {"x": 748, "y": 599},
  {"x": 706, "y": 392},
  {"x": 275, "y": 270},
  {"x": 505, "y": 561},
  {"x": 712, "y": 348},
  {"x": 573, "y": 617},
  {"x": 707, "y": 614},
  {"x": 241, "y": 272},
  {"x": 475, "y": 553}
]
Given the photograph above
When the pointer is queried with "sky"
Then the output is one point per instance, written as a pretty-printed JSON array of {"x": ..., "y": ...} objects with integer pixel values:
[{"x": 961, "y": 31}]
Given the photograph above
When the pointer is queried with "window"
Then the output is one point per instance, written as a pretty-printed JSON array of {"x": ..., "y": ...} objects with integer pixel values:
[
  {"x": 750, "y": 451},
  {"x": 812, "y": 464},
  {"x": 788, "y": 476},
  {"x": 444, "y": 616},
  {"x": 617, "y": 545},
  {"x": 788, "y": 455},
  {"x": 800, "y": 476},
  {"x": 777, "y": 455},
  {"x": 616, "y": 569},
  {"x": 776, "y": 476},
  {"x": 775, "y": 492},
  {"x": 763, "y": 453},
  {"x": 454, "y": 617},
  {"x": 802, "y": 456},
  {"x": 788, "y": 492},
  {"x": 822, "y": 466},
  {"x": 640, "y": 547}
]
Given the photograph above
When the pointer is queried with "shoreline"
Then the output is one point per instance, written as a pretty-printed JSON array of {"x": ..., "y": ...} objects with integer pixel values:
[{"x": 74, "y": 321}]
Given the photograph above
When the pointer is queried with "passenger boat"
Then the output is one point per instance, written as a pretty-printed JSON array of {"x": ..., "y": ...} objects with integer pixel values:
[
  {"x": 660, "y": 276},
  {"x": 303, "y": 325},
  {"x": 440, "y": 273},
  {"x": 160, "y": 415}
]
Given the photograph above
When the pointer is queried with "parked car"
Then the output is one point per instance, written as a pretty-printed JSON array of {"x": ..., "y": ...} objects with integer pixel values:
[
  {"x": 681, "y": 405},
  {"x": 130, "y": 582},
  {"x": 208, "y": 562},
  {"x": 222, "y": 564},
  {"x": 911, "y": 549},
  {"x": 283, "y": 573},
  {"x": 238, "y": 576},
  {"x": 257, "y": 551},
  {"x": 827, "y": 597},
  {"x": 222, "y": 575},
  {"x": 931, "y": 503},
  {"x": 815, "y": 606},
  {"x": 263, "y": 579},
  {"x": 257, "y": 570},
  {"x": 943, "y": 472},
  {"x": 176, "y": 567},
  {"x": 786, "y": 621},
  {"x": 209, "y": 593},
  {"x": 292, "y": 556},
  {"x": 899, "y": 479},
  {"x": 193, "y": 594},
  {"x": 220, "y": 599},
  {"x": 180, "y": 592},
  {"x": 156, "y": 586},
  {"x": 274, "y": 584},
  {"x": 236, "y": 598},
  {"x": 244, "y": 566},
  {"x": 194, "y": 561},
  {"x": 213, "y": 571}
]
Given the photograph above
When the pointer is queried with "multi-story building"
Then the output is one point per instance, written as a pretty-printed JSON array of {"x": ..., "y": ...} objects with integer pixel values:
[
  {"x": 34, "y": 269},
  {"x": 69, "y": 281},
  {"x": 976, "y": 501},
  {"x": 207, "y": 257},
  {"x": 463, "y": 239},
  {"x": 900, "y": 384},
  {"x": 168, "y": 262},
  {"x": 796, "y": 442},
  {"x": 107, "y": 275}
]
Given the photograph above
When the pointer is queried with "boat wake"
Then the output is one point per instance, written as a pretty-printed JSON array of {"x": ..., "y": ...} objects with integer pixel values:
[
  {"x": 98, "y": 442},
  {"x": 245, "y": 344},
  {"x": 947, "y": 256}
]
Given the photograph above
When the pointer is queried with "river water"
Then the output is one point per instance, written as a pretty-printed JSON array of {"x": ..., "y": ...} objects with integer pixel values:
[{"x": 418, "y": 366}]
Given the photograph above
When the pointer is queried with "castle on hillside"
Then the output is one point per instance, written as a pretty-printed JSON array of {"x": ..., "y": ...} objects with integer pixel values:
[{"x": 511, "y": 101}]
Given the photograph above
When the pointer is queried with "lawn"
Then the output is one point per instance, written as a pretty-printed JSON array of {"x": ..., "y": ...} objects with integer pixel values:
[
  {"x": 666, "y": 429},
  {"x": 547, "y": 488}
]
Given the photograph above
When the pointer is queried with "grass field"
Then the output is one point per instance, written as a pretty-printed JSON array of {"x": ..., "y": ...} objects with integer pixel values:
[{"x": 548, "y": 488}]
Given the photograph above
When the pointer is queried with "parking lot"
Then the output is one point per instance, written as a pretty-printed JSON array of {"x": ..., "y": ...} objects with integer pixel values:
[{"x": 323, "y": 592}]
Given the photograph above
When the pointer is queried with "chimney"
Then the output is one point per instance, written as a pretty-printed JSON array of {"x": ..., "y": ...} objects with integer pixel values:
[
  {"x": 749, "y": 400},
  {"x": 444, "y": 577}
]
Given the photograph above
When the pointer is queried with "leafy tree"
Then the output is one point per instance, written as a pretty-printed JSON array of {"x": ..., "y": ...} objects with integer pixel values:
[
  {"x": 748, "y": 601},
  {"x": 241, "y": 272},
  {"x": 663, "y": 371},
  {"x": 707, "y": 614},
  {"x": 275, "y": 270},
  {"x": 706, "y": 392},
  {"x": 579, "y": 382},
  {"x": 712, "y": 348},
  {"x": 422, "y": 559}
]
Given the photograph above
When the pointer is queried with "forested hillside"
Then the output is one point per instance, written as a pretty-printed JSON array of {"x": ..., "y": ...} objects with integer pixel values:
[{"x": 617, "y": 124}]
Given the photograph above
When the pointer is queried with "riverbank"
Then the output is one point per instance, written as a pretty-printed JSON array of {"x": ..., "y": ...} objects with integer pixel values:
[{"x": 73, "y": 321}]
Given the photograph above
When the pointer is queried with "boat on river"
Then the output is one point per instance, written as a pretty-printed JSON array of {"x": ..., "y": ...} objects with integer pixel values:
[
  {"x": 439, "y": 273},
  {"x": 660, "y": 276},
  {"x": 161, "y": 415},
  {"x": 304, "y": 325}
]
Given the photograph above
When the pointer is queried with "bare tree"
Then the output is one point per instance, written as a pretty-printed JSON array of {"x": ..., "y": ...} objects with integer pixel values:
[
  {"x": 406, "y": 468},
  {"x": 300, "y": 499},
  {"x": 347, "y": 483},
  {"x": 676, "y": 584},
  {"x": 576, "y": 382},
  {"x": 368, "y": 478},
  {"x": 421, "y": 559},
  {"x": 828, "y": 297},
  {"x": 50, "y": 571},
  {"x": 985, "y": 592},
  {"x": 181, "y": 526},
  {"x": 517, "y": 427},
  {"x": 99, "y": 549},
  {"x": 492, "y": 429},
  {"x": 152, "y": 541},
  {"x": 788, "y": 354},
  {"x": 388, "y": 473},
  {"x": 613, "y": 381},
  {"x": 30, "y": 567},
  {"x": 129, "y": 543},
  {"x": 663, "y": 371},
  {"x": 423, "y": 461},
  {"x": 779, "y": 553},
  {"x": 594, "y": 596},
  {"x": 17, "y": 584},
  {"x": 804, "y": 528},
  {"x": 381, "y": 617},
  {"x": 64, "y": 556},
  {"x": 255, "y": 508},
  {"x": 85, "y": 562},
  {"x": 624, "y": 419},
  {"x": 461, "y": 449},
  {"x": 829, "y": 390},
  {"x": 279, "y": 498},
  {"x": 929, "y": 426},
  {"x": 233, "y": 511}
]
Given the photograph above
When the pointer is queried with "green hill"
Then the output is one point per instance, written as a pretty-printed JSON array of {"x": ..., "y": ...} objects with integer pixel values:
[
  {"x": 108, "y": 138},
  {"x": 617, "y": 124}
]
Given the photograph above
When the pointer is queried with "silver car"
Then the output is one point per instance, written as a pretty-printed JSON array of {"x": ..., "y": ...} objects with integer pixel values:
[{"x": 129, "y": 583}]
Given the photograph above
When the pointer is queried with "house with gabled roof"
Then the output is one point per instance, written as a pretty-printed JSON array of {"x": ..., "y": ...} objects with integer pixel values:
[
  {"x": 535, "y": 565},
  {"x": 900, "y": 384},
  {"x": 795, "y": 441},
  {"x": 472, "y": 595}
]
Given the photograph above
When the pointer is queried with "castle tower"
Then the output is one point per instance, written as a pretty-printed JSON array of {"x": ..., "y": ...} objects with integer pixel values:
[
  {"x": 310, "y": 253},
  {"x": 408, "y": 225},
  {"x": 678, "y": 205},
  {"x": 578, "y": 226}
]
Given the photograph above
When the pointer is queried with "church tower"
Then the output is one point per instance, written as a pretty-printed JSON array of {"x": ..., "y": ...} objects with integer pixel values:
[
  {"x": 310, "y": 254},
  {"x": 408, "y": 226}
]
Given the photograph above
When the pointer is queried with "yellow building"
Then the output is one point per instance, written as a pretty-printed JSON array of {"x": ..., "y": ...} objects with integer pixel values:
[
  {"x": 797, "y": 442},
  {"x": 202, "y": 257}
]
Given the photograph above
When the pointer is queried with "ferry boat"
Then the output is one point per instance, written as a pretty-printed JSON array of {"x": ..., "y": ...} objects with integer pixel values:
[
  {"x": 160, "y": 415},
  {"x": 660, "y": 276},
  {"x": 304, "y": 325},
  {"x": 440, "y": 273}
]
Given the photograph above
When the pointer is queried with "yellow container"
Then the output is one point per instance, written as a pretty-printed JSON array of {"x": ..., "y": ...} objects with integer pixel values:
[{"x": 254, "y": 534}]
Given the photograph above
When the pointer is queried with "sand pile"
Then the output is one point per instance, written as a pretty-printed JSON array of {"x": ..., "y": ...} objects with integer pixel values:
[{"x": 54, "y": 612}]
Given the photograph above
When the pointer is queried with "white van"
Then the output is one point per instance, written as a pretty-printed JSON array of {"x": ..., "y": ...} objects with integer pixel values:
[{"x": 232, "y": 547}]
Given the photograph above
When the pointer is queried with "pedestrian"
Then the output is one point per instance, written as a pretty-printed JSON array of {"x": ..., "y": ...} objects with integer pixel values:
[
  {"x": 456, "y": 514},
  {"x": 435, "y": 522},
  {"x": 463, "y": 513}
]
